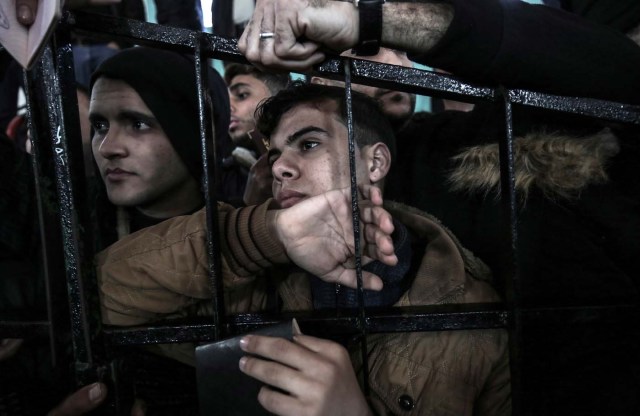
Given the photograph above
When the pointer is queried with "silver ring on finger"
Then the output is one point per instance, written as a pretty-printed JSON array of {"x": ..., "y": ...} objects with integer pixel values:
[{"x": 266, "y": 35}]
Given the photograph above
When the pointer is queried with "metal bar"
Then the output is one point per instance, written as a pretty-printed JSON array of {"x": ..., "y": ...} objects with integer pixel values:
[
  {"x": 510, "y": 213},
  {"x": 607, "y": 110},
  {"x": 69, "y": 222},
  {"x": 166, "y": 334},
  {"x": 614, "y": 314},
  {"x": 355, "y": 213},
  {"x": 410, "y": 80},
  {"x": 53, "y": 318},
  {"x": 363, "y": 72},
  {"x": 414, "y": 319},
  {"x": 205, "y": 119},
  {"x": 79, "y": 173},
  {"x": 150, "y": 34}
]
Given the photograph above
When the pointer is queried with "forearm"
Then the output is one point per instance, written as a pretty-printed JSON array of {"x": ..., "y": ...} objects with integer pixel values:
[
  {"x": 407, "y": 26},
  {"x": 163, "y": 270},
  {"x": 517, "y": 45},
  {"x": 533, "y": 47},
  {"x": 249, "y": 239},
  {"x": 415, "y": 27}
]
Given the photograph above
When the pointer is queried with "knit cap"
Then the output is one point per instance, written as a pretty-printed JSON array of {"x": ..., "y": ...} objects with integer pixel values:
[{"x": 166, "y": 82}]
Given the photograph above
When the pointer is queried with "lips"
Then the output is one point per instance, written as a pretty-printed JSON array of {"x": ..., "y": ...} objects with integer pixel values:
[
  {"x": 117, "y": 174},
  {"x": 233, "y": 123},
  {"x": 288, "y": 198}
]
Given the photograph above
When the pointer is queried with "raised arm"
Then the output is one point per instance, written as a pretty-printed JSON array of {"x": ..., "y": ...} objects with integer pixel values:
[
  {"x": 302, "y": 28},
  {"x": 496, "y": 42},
  {"x": 162, "y": 270}
]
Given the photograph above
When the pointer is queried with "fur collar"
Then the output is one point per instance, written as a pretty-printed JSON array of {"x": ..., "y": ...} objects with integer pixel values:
[{"x": 558, "y": 165}]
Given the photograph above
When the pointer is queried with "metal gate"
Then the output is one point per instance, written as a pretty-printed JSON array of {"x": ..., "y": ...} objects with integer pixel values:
[{"x": 72, "y": 311}]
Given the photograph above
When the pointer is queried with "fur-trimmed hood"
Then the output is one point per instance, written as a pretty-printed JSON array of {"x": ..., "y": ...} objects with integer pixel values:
[{"x": 558, "y": 165}]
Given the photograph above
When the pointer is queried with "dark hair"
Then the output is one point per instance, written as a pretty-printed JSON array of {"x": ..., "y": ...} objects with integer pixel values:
[
  {"x": 370, "y": 125},
  {"x": 274, "y": 82}
]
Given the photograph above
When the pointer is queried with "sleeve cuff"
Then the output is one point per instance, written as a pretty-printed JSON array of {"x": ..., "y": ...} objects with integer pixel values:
[{"x": 251, "y": 244}]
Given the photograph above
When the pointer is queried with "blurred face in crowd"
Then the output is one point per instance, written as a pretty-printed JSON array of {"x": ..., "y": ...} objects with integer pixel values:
[
  {"x": 398, "y": 106},
  {"x": 245, "y": 93},
  {"x": 135, "y": 158},
  {"x": 308, "y": 154}
]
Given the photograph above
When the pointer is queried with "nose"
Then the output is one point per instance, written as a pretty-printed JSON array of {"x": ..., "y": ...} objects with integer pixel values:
[
  {"x": 113, "y": 144},
  {"x": 232, "y": 103},
  {"x": 285, "y": 168}
]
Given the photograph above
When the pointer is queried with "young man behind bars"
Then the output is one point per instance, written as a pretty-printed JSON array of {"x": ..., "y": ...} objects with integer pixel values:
[
  {"x": 145, "y": 134},
  {"x": 455, "y": 372}
]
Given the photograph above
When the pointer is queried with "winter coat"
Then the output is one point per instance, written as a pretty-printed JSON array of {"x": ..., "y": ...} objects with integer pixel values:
[{"x": 162, "y": 271}]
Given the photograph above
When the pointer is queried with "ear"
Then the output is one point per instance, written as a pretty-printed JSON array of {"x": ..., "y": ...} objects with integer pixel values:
[
  {"x": 319, "y": 81},
  {"x": 378, "y": 162}
]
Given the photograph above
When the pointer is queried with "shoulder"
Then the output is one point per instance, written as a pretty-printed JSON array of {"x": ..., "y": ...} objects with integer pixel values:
[
  {"x": 426, "y": 226},
  {"x": 447, "y": 272}
]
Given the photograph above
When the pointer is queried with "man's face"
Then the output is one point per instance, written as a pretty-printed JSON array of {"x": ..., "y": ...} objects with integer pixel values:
[
  {"x": 308, "y": 154},
  {"x": 245, "y": 93},
  {"x": 397, "y": 105},
  {"x": 136, "y": 160}
]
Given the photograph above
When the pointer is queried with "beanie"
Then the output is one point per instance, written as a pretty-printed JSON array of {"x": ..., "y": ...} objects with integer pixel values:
[{"x": 166, "y": 82}]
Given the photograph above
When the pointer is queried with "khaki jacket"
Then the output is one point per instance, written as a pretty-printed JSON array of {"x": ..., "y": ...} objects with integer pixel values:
[{"x": 161, "y": 272}]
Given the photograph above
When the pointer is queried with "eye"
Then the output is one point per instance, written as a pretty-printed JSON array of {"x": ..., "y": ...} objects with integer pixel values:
[
  {"x": 241, "y": 95},
  {"x": 308, "y": 144},
  {"x": 100, "y": 128},
  {"x": 140, "y": 125}
]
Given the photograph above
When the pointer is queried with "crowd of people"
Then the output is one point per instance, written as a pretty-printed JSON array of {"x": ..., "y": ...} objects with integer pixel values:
[{"x": 429, "y": 189}]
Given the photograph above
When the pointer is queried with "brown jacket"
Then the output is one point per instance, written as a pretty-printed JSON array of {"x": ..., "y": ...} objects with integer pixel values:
[{"x": 161, "y": 272}]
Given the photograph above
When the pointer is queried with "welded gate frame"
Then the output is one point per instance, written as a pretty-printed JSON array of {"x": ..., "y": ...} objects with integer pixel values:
[{"x": 54, "y": 122}]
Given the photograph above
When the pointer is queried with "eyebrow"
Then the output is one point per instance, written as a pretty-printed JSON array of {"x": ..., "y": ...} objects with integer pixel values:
[
  {"x": 310, "y": 129},
  {"x": 238, "y": 85},
  {"x": 126, "y": 115},
  {"x": 296, "y": 136}
]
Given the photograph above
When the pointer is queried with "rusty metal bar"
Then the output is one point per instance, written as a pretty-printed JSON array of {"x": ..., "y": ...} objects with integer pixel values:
[
  {"x": 205, "y": 118},
  {"x": 392, "y": 320},
  {"x": 355, "y": 213},
  {"x": 49, "y": 72},
  {"x": 54, "y": 316},
  {"x": 509, "y": 204},
  {"x": 413, "y": 319},
  {"x": 362, "y": 71}
]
